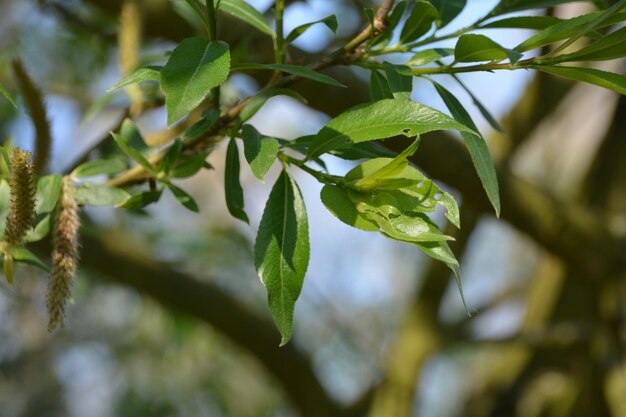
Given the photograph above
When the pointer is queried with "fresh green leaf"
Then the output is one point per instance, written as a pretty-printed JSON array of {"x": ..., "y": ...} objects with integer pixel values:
[
  {"x": 99, "y": 167},
  {"x": 428, "y": 55},
  {"x": 612, "y": 81},
  {"x": 23, "y": 255},
  {"x": 183, "y": 198},
  {"x": 232, "y": 186},
  {"x": 139, "y": 75},
  {"x": 476, "y": 146},
  {"x": 99, "y": 195},
  {"x": 448, "y": 9},
  {"x": 556, "y": 32},
  {"x": 171, "y": 157},
  {"x": 187, "y": 166},
  {"x": 400, "y": 79},
  {"x": 41, "y": 229},
  {"x": 133, "y": 137},
  {"x": 611, "y": 46},
  {"x": 6, "y": 95},
  {"x": 48, "y": 191},
  {"x": 339, "y": 203},
  {"x": 365, "y": 150},
  {"x": 379, "y": 87},
  {"x": 260, "y": 151},
  {"x": 380, "y": 120},
  {"x": 133, "y": 153},
  {"x": 419, "y": 22},
  {"x": 194, "y": 68},
  {"x": 139, "y": 201},
  {"x": 509, "y": 6},
  {"x": 260, "y": 99},
  {"x": 523, "y": 22},
  {"x": 199, "y": 128},
  {"x": 483, "y": 110},
  {"x": 329, "y": 21},
  {"x": 476, "y": 48},
  {"x": 298, "y": 70},
  {"x": 281, "y": 251},
  {"x": 244, "y": 11}
]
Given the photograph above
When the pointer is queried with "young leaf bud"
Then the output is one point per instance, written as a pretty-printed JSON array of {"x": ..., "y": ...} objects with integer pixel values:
[{"x": 64, "y": 255}]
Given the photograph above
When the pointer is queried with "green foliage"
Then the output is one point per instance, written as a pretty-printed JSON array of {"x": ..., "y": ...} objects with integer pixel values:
[{"x": 383, "y": 193}]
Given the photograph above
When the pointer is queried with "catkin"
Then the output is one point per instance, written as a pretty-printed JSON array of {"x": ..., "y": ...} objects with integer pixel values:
[
  {"x": 64, "y": 256},
  {"x": 22, "y": 201}
]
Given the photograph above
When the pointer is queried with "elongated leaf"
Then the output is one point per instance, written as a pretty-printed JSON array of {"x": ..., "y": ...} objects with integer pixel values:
[
  {"x": 232, "y": 186},
  {"x": 187, "y": 166},
  {"x": 99, "y": 167},
  {"x": 379, "y": 87},
  {"x": 509, "y": 6},
  {"x": 483, "y": 110},
  {"x": 609, "y": 47},
  {"x": 23, "y": 255},
  {"x": 194, "y": 68},
  {"x": 329, "y": 21},
  {"x": 260, "y": 151},
  {"x": 260, "y": 99},
  {"x": 339, "y": 203},
  {"x": 364, "y": 150},
  {"x": 419, "y": 22},
  {"x": 476, "y": 48},
  {"x": 48, "y": 191},
  {"x": 133, "y": 153},
  {"x": 448, "y": 9},
  {"x": 141, "y": 200},
  {"x": 428, "y": 55},
  {"x": 171, "y": 157},
  {"x": 6, "y": 95},
  {"x": 183, "y": 198},
  {"x": 199, "y": 128},
  {"x": 244, "y": 11},
  {"x": 523, "y": 22},
  {"x": 41, "y": 229},
  {"x": 139, "y": 75},
  {"x": 379, "y": 120},
  {"x": 370, "y": 181},
  {"x": 476, "y": 146},
  {"x": 298, "y": 70},
  {"x": 612, "y": 81},
  {"x": 100, "y": 195},
  {"x": 400, "y": 79},
  {"x": 281, "y": 251},
  {"x": 556, "y": 32}
]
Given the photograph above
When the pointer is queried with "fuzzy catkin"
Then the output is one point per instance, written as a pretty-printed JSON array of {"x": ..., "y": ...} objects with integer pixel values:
[
  {"x": 22, "y": 202},
  {"x": 64, "y": 256}
]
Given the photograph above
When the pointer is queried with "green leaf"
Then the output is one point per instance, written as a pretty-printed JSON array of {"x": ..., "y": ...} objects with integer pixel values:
[
  {"x": 171, "y": 157},
  {"x": 6, "y": 95},
  {"x": 339, "y": 203},
  {"x": 428, "y": 55},
  {"x": 298, "y": 70},
  {"x": 380, "y": 120},
  {"x": 476, "y": 48},
  {"x": 260, "y": 99},
  {"x": 199, "y": 128},
  {"x": 139, "y": 75},
  {"x": 329, "y": 21},
  {"x": 244, "y": 11},
  {"x": 476, "y": 146},
  {"x": 133, "y": 137},
  {"x": 483, "y": 110},
  {"x": 400, "y": 79},
  {"x": 405, "y": 228},
  {"x": 448, "y": 9},
  {"x": 133, "y": 153},
  {"x": 232, "y": 186},
  {"x": 194, "y": 68},
  {"x": 187, "y": 166},
  {"x": 183, "y": 198},
  {"x": 612, "y": 81},
  {"x": 365, "y": 150},
  {"x": 523, "y": 22},
  {"x": 379, "y": 87},
  {"x": 509, "y": 6},
  {"x": 419, "y": 22},
  {"x": 141, "y": 200},
  {"x": 260, "y": 151},
  {"x": 100, "y": 195},
  {"x": 23, "y": 255},
  {"x": 41, "y": 229},
  {"x": 48, "y": 191},
  {"x": 611, "y": 46},
  {"x": 99, "y": 167},
  {"x": 556, "y": 32},
  {"x": 281, "y": 251}
]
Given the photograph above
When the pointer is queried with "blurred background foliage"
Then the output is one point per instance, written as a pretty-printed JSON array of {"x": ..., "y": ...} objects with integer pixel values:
[{"x": 169, "y": 318}]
